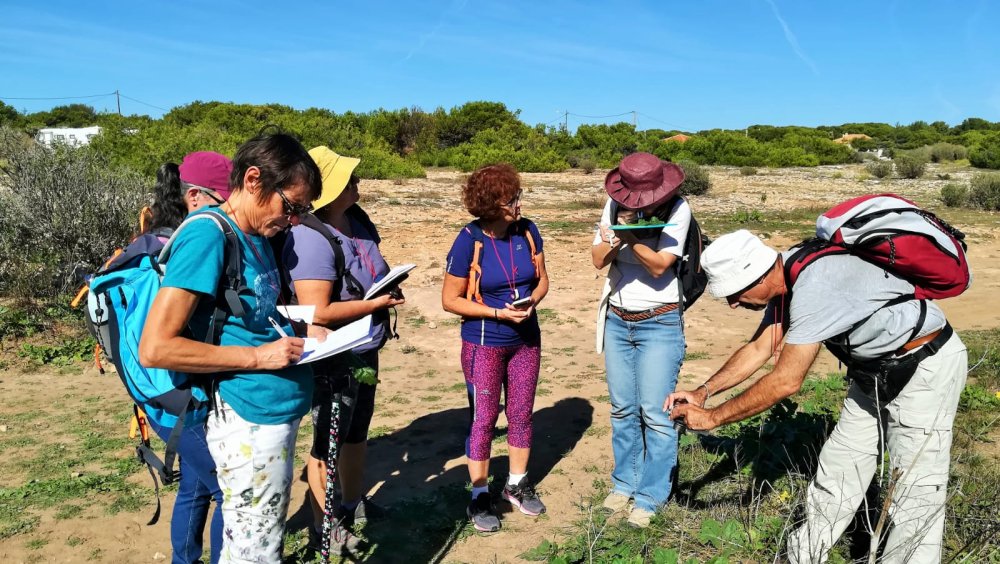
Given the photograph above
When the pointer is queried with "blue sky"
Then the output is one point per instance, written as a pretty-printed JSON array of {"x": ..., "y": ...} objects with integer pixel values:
[{"x": 685, "y": 65}]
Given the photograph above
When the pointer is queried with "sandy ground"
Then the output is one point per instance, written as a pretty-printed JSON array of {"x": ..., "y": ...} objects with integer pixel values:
[{"x": 422, "y": 406}]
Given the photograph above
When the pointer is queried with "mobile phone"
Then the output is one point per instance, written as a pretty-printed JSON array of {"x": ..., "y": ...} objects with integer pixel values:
[{"x": 522, "y": 303}]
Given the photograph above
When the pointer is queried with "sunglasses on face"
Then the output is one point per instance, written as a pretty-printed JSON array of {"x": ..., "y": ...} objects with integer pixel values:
[
  {"x": 513, "y": 202},
  {"x": 212, "y": 196},
  {"x": 290, "y": 209}
]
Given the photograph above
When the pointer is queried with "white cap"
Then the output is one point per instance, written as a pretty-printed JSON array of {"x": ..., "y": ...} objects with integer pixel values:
[{"x": 734, "y": 261}]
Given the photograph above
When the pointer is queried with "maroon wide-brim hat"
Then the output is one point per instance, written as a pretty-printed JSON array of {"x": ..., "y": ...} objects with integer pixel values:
[{"x": 642, "y": 180}]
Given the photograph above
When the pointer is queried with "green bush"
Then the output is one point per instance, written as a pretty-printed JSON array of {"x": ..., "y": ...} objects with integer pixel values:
[
  {"x": 62, "y": 213},
  {"x": 910, "y": 166},
  {"x": 954, "y": 195},
  {"x": 986, "y": 153},
  {"x": 879, "y": 169},
  {"x": 696, "y": 179},
  {"x": 984, "y": 191},
  {"x": 747, "y": 171},
  {"x": 945, "y": 152},
  {"x": 378, "y": 161}
]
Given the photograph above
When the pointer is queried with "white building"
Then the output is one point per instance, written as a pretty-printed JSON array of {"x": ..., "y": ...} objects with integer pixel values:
[{"x": 71, "y": 136}]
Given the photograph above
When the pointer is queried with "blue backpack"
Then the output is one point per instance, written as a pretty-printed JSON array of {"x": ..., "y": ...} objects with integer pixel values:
[{"x": 121, "y": 294}]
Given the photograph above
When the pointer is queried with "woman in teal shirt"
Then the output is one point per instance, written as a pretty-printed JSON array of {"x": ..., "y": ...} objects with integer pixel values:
[{"x": 261, "y": 392}]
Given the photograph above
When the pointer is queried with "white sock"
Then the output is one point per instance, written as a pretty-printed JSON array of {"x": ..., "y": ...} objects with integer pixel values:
[
  {"x": 515, "y": 479},
  {"x": 476, "y": 490}
]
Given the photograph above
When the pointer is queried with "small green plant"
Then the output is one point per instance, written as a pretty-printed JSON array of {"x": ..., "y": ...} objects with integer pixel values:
[
  {"x": 879, "y": 169},
  {"x": 954, "y": 195},
  {"x": 837, "y": 175},
  {"x": 748, "y": 171},
  {"x": 588, "y": 165},
  {"x": 63, "y": 354},
  {"x": 746, "y": 217},
  {"x": 910, "y": 166}
]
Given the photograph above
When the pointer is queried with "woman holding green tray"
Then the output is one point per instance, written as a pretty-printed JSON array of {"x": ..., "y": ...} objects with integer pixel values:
[{"x": 639, "y": 328}]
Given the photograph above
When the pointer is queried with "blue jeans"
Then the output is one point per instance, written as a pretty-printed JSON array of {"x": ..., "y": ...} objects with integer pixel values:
[
  {"x": 642, "y": 359},
  {"x": 195, "y": 491}
]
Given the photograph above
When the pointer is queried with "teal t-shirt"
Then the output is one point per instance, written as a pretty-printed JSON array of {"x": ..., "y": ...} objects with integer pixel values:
[{"x": 196, "y": 264}]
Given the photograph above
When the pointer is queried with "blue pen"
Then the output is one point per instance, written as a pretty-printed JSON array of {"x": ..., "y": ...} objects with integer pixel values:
[{"x": 277, "y": 327}]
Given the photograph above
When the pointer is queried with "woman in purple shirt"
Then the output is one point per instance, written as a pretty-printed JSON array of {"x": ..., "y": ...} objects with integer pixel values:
[
  {"x": 495, "y": 278},
  {"x": 309, "y": 258}
]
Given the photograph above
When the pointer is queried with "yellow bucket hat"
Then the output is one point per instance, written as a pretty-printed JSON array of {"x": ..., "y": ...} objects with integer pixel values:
[{"x": 335, "y": 170}]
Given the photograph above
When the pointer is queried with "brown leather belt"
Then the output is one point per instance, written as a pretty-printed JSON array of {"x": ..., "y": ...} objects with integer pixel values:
[
  {"x": 641, "y": 315},
  {"x": 918, "y": 342}
]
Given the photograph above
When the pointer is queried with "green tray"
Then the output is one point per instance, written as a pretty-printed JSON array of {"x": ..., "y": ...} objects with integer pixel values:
[{"x": 631, "y": 227}]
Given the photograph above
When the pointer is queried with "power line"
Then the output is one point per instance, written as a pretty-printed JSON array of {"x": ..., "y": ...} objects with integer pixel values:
[
  {"x": 60, "y": 97},
  {"x": 673, "y": 125},
  {"x": 599, "y": 117},
  {"x": 144, "y": 103}
]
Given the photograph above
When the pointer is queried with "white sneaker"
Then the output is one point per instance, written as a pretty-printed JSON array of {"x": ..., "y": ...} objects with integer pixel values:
[
  {"x": 615, "y": 502},
  {"x": 639, "y": 517}
]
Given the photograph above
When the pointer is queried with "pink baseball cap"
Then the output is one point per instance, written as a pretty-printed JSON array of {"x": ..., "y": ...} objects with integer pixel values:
[{"x": 207, "y": 170}]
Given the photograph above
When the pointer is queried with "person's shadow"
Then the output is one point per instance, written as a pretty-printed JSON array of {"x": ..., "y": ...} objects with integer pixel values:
[{"x": 424, "y": 478}]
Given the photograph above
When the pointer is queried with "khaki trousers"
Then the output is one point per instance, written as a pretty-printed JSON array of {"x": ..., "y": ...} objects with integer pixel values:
[{"x": 915, "y": 429}]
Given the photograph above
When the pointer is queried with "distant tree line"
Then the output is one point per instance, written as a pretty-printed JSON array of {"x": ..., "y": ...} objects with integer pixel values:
[{"x": 400, "y": 143}]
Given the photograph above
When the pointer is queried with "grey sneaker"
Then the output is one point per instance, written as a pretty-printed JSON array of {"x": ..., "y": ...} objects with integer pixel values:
[
  {"x": 343, "y": 541},
  {"x": 482, "y": 514},
  {"x": 367, "y": 510},
  {"x": 523, "y": 497}
]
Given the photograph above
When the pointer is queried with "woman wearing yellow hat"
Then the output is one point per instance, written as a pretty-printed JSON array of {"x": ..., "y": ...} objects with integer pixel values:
[{"x": 310, "y": 258}]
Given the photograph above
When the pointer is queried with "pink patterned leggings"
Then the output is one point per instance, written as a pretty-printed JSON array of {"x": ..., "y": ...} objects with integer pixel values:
[{"x": 488, "y": 370}]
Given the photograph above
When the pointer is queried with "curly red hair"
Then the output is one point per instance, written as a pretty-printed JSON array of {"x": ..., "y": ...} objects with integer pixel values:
[{"x": 489, "y": 188}]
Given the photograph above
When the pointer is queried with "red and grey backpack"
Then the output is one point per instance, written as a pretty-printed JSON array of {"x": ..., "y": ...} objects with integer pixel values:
[{"x": 895, "y": 234}]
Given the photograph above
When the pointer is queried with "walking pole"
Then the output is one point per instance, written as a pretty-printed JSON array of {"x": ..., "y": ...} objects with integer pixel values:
[{"x": 331, "y": 477}]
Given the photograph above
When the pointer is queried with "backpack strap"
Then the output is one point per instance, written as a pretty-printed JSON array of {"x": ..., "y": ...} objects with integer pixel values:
[
  {"x": 344, "y": 277},
  {"x": 476, "y": 266},
  {"x": 522, "y": 226},
  {"x": 357, "y": 213}
]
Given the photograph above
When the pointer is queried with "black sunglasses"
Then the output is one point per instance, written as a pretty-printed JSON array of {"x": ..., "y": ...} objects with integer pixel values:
[
  {"x": 293, "y": 209},
  {"x": 212, "y": 196}
]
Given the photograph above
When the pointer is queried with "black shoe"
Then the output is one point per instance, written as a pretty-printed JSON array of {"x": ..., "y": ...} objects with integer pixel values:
[
  {"x": 482, "y": 514},
  {"x": 523, "y": 497}
]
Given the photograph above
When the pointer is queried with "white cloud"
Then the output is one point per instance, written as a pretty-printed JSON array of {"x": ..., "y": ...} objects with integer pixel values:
[{"x": 790, "y": 37}]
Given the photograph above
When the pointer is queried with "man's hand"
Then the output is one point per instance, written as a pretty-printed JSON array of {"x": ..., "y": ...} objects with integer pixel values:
[
  {"x": 694, "y": 417},
  {"x": 698, "y": 396}
]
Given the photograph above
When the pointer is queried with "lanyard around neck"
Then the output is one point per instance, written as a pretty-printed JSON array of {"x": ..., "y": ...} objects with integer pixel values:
[{"x": 512, "y": 277}]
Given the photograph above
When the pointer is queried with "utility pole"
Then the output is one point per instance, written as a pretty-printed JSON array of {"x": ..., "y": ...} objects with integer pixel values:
[
  {"x": 634, "y": 123},
  {"x": 119, "y": 99},
  {"x": 566, "y": 121}
]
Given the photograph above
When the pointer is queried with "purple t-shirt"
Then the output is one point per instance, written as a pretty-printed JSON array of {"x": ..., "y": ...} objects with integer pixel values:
[
  {"x": 308, "y": 256},
  {"x": 499, "y": 256}
]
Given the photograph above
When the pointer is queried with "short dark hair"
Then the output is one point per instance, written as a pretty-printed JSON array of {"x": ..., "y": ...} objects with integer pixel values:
[
  {"x": 489, "y": 188},
  {"x": 281, "y": 159},
  {"x": 169, "y": 207}
]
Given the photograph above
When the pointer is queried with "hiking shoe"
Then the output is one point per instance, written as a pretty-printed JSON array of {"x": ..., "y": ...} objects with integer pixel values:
[
  {"x": 523, "y": 497},
  {"x": 616, "y": 502},
  {"x": 367, "y": 510},
  {"x": 484, "y": 518},
  {"x": 343, "y": 541},
  {"x": 640, "y": 518}
]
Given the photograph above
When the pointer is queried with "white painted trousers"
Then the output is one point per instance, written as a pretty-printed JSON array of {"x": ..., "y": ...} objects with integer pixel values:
[
  {"x": 254, "y": 466},
  {"x": 916, "y": 431}
]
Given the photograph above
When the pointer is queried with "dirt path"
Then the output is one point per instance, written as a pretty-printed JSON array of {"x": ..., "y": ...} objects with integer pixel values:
[{"x": 418, "y": 427}]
